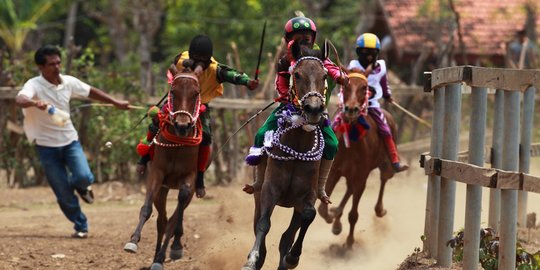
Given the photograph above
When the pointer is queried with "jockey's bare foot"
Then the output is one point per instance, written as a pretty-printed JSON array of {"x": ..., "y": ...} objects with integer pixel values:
[
  {"x": 399, "y": 168},
  {"x": 325, "y": 200},
  {"x": 140, "y": 168},
  {"x": 249, "y": 189},
  {"x": 200, "y": 192}
]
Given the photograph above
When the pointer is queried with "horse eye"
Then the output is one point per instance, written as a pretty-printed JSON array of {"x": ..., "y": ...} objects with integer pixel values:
[{"x": 296, "y": 75}]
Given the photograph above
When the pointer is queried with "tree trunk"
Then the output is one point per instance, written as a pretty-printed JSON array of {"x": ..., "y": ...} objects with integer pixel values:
[
  {"x": 70, "y": 24},
  {"x": 114, "y": 16},
  {"x": 146, "y": 21}
]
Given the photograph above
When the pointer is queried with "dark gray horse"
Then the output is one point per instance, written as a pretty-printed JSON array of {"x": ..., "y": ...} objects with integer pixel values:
[{"x": 293, "y": 164}]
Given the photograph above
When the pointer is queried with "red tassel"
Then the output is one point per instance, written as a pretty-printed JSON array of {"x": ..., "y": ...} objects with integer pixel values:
[{"x": 142, "y": 149}]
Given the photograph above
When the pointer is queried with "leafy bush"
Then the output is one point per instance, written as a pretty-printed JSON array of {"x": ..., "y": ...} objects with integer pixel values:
[{"x": 489, "y": 251}]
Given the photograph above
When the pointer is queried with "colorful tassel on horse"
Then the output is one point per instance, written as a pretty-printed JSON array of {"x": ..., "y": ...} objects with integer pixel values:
[{"x": 142, "y": 149}]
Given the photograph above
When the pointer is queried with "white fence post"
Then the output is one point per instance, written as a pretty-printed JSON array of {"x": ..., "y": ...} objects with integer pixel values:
[{"x": 473, "y": 204}]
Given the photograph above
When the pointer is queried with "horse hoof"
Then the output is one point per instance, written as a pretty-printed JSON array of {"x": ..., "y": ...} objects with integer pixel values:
[
  {"x": 248, "y": 266},
  {"x": 156, "y": 266},
  {"x": 290, "y": 261},
  {"x": 380, "y": 213},
  {"x": 176, "y": 254},
  {"x": 130, "y": 247},
  {"x": 336, "y": 229}
]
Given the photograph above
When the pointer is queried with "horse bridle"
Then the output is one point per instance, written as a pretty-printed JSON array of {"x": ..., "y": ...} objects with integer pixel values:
[
  {"x": 364, "y": 105},
  {"x": 292, "y": 90},
  {"x": 193, "y": 117}
]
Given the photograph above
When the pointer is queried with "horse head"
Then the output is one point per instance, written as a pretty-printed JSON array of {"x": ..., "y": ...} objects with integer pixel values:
[
  {"x": 308, "y": 87},
  {"x": 184, "y": 99},
  {"x": 355, "y": 95}
]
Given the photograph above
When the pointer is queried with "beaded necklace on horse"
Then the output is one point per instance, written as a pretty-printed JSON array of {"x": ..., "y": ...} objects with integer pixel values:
[{"x": 292, "y": 116}]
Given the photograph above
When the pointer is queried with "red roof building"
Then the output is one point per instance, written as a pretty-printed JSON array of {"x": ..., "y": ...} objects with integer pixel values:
[{"x": 486, "y": 26}]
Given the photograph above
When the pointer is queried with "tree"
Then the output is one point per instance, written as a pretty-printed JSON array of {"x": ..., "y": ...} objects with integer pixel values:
[{"x": 19, "y": 18}]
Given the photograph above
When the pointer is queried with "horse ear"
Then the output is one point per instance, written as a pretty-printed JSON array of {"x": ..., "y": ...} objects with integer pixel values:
[
  {"x": 198, "y": 70},
  {"x": 173, "y": 70},
  {"x": 295, "y": 50},
  {"x": 368, "y": 70},
  {"x": 326, "y": 49},
  {"x": 344, "y": 68}
]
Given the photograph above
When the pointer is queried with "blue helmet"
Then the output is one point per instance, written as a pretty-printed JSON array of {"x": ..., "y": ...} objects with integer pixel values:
[{"x": 369, "y": 41}]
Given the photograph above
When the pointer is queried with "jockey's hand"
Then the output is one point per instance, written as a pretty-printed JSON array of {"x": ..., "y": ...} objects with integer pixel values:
[
  {"x": 342, "y": 80},
  {"x": 252, "y": 84},
  {"x": 122, "y": 104},
  {"x": 389, "y": 99},
  {"x": 282, "y": 99},
  {"x": 40, "y": 104}
]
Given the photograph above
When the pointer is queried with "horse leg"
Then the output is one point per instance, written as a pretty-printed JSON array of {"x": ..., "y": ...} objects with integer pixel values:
[
  {"x": 306, "y": 218},
  {"x": 258, "y": 253},
  {"x": 257, "y": 216},
  {"x": 287, "y": 238},
  {"x": 353, "y": 214},
  {"x": 385, "y": 176},
  {"x": 160, "y": 202},
  {"x": 338, "y": 212},
  {"x": 157, "y": 264},
  {"x": 144, "y": 215},
  {"x": 333, "y": 178},
  {"x": 184, "y": 198}
]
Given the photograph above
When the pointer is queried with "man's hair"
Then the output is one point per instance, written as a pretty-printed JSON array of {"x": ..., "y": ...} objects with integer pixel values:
[{"x": 46, "y": 50}]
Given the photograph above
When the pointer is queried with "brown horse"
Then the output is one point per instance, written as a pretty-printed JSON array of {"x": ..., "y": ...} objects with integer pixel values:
[
  {"x": 293, "y": 163},
  {"x": 357, "y": 161},
  {"x": 174, "y": 165}
]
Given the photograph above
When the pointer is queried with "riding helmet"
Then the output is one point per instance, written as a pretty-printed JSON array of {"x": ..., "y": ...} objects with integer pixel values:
[
  {"x": 369, "y": 41},
  {"x": 297, "y": 24},
  {"x": 201, "y": 45}
]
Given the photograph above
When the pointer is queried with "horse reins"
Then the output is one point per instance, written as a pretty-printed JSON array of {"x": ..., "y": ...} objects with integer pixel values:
[{"x": 292, "y": 90}]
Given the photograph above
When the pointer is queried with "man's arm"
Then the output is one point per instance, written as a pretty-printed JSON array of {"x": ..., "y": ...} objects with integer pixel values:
[
  {"x": 98, "y": 94},
  {"x": 230, "y": 75},
  {"x": 23, "y": 101}
]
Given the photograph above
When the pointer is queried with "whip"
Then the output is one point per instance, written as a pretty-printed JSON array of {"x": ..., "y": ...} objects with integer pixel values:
[
  {"x": 411, "y": 114},
  {"x": 240, "y": 128}
]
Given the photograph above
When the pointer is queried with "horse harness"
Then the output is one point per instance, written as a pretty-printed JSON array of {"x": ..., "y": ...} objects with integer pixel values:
[
  {"x": 166, "y": 119},
  {"x": 290, "y": 118},
  {"x": 292, "y": 90}
]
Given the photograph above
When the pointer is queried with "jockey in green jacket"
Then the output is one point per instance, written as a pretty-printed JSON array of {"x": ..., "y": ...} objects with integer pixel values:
[{"x": 303, "y": 31}]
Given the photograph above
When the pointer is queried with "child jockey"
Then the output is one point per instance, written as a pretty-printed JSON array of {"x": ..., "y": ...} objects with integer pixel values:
[
  {"x": 303, "y": 31},
  {"x": 367, "y": 50},
  {"x": 210, "y": 80}
]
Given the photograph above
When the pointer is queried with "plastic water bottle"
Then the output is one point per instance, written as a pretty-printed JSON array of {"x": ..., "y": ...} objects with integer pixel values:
[{"x": 59, "y": 117}]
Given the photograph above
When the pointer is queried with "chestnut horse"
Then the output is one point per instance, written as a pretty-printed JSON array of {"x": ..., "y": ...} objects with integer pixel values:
[
  {"x": 293, "y": 162},
  {"x": 357, "y": 157},
  {"x": 174, "y": 165}
]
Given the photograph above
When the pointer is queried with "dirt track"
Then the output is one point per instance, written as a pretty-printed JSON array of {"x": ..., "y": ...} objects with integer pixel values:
[{"x": 218, "y": 230}]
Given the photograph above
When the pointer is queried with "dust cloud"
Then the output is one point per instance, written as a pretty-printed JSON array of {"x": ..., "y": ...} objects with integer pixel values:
[{"x": 381, "y": 243}]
